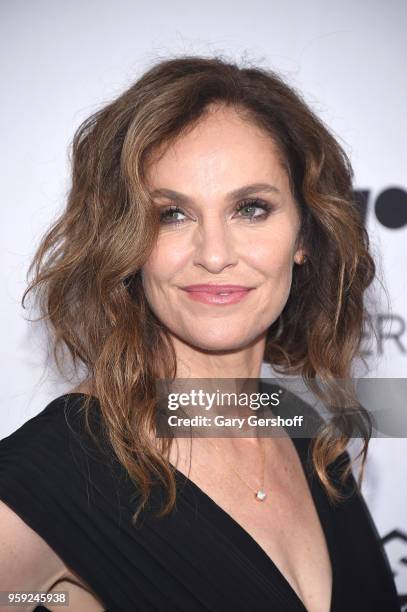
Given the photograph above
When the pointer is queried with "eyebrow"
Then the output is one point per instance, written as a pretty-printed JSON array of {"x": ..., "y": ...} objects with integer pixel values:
[{"x": 241, "y": 192}]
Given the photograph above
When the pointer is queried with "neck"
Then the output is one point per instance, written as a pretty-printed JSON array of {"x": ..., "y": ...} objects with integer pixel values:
[{"x": 242, "y": 363}]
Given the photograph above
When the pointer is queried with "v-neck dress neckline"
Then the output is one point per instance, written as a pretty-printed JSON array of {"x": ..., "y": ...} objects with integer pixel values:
[
  {"x": 78, "y": 497},
  {"x": 239, "y": 537}
]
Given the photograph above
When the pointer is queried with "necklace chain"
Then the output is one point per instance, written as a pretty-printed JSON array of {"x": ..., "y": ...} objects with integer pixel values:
[{"x": 259, "y": 494}]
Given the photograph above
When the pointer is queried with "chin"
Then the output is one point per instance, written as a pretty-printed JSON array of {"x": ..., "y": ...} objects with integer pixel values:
[{"x": 221, "y": 342}]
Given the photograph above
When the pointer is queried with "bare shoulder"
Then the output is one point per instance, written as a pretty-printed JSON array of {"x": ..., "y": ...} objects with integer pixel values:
[
  {"x": 25, "y": 559},
  {"x": 28, "y": 563}
]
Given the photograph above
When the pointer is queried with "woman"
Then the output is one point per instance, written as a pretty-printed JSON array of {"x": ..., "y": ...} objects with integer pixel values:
[{"x": 201, "y": 173}]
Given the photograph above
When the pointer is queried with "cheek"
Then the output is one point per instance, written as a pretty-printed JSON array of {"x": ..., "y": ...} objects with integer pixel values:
[
  {"x": 164, "y": 263},
  {"x": 273, "y": 257}
]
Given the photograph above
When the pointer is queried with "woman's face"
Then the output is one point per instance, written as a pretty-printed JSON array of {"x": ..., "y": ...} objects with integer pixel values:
[{"x": 220, "y": 235}]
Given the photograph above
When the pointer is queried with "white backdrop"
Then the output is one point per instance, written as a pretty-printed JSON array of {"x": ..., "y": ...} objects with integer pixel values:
[{"x": 62, "y": 60}]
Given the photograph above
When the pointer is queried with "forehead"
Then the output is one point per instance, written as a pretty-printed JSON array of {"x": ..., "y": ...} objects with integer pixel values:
[{"x": 221, "y": 142}]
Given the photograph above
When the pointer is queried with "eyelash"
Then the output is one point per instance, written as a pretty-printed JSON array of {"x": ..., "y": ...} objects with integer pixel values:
[{"x": 265, "y": 206}]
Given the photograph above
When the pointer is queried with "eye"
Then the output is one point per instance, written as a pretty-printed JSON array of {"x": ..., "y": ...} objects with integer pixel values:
[
  {"x": 166, "y": 216},
  {"x": 253, "y": 204}
]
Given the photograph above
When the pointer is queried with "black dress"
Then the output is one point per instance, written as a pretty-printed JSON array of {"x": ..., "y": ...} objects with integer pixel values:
[{"x": 198, "y": 559}]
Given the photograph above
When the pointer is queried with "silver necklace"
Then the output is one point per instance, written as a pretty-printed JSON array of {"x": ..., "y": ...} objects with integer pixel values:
[{"x": 259, "y": 494}]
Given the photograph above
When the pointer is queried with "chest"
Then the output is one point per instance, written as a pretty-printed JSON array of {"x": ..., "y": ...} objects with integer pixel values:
[{"x": 285, "y": 525}]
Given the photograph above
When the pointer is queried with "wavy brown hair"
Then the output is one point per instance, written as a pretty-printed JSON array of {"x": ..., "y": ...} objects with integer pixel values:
[{"x": 86, "y": 271}]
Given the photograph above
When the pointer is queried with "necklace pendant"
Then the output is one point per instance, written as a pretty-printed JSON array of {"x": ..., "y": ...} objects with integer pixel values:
[{"x": 261, "y": 495}]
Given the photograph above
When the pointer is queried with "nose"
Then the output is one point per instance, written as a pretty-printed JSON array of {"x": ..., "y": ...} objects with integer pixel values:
[{"x": 214, "y": 245}]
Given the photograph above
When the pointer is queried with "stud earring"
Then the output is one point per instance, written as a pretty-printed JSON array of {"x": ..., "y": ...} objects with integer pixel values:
[{"x": 303, "y": 259}]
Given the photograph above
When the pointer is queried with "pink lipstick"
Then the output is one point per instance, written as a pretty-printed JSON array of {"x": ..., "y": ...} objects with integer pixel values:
[{"x": 217, "y": 294}]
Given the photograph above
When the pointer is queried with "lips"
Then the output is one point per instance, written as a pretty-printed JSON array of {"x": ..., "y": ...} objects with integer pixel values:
[
  {"x": 217, "y": 295},
  {"x": 216, "y": 289}
]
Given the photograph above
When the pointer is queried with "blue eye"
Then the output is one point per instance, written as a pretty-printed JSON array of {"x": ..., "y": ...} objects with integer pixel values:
[
  {"x": 166, "y": 214},
  {"x": 167, "y": 218},
  {"x": 256, "y": 203}
]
